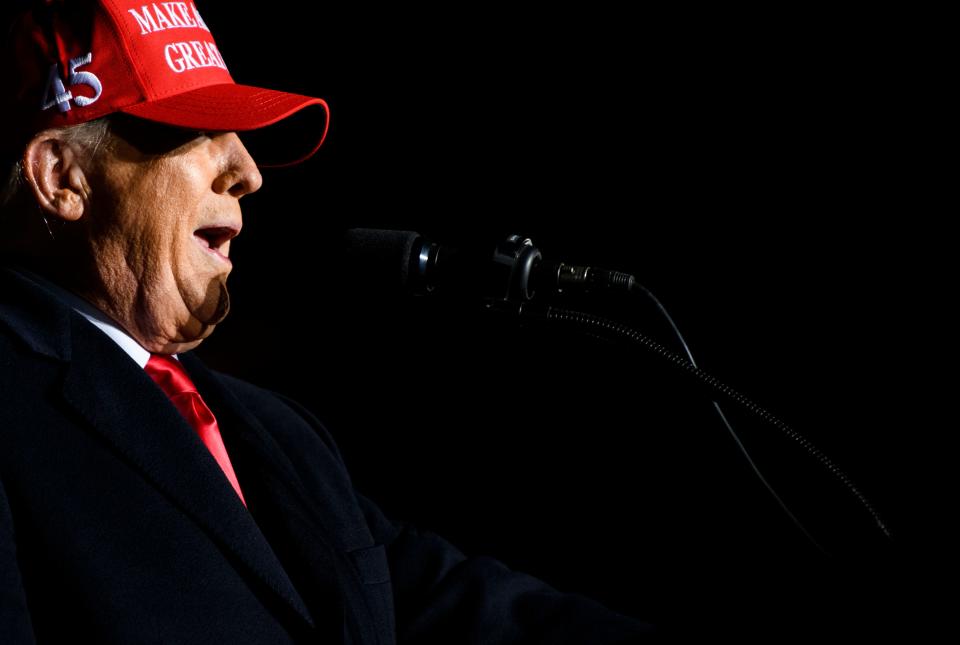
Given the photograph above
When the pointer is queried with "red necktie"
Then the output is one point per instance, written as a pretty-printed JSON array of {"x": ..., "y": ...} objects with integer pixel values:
[{"x": 172, "y": 378}]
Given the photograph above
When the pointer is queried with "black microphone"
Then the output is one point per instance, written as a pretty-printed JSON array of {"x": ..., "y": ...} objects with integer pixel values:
[{"x": 514, "y": 271}]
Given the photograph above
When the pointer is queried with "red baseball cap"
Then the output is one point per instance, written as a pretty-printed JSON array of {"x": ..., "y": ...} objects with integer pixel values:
[{"x": 77, "y": 60}]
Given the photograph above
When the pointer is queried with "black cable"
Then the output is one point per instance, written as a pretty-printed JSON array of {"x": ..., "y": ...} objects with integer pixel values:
[
  {"x": 585, "y": 319},
  {"x": 636, "y": 287}
]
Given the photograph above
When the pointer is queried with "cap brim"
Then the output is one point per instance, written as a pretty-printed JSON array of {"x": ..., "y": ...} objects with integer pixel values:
[{"x": 285, "y": 128}]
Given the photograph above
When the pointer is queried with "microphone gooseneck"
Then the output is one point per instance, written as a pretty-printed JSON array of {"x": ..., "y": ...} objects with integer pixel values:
[{"x": 514, "y": 278}]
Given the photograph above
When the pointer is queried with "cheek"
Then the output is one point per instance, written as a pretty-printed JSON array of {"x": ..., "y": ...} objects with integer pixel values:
[
  {"x": 159, "y": 225},
  {"x": 144, "y": 218}
]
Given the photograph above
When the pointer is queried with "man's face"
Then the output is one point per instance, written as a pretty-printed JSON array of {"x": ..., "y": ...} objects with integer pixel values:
[{"x": 164, "y": 205}]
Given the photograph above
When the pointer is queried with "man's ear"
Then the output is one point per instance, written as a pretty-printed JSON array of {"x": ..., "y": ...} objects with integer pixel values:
[{"x": 52, "y": 168}]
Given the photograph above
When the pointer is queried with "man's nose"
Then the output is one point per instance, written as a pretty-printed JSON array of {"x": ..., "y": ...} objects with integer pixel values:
[{"x": 241, "y": 175}]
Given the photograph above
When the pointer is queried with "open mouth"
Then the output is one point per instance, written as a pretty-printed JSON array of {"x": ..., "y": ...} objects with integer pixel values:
[{"x": 214, "y": 239}]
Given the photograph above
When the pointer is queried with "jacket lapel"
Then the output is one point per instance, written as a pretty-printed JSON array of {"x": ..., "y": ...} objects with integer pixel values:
[
  {"x": 310, "y": 549},
  {"x": 116, "y": 396}
]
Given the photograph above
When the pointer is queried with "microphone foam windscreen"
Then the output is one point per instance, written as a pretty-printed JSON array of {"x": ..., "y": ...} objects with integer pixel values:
[{"x": 378, "y": 261}]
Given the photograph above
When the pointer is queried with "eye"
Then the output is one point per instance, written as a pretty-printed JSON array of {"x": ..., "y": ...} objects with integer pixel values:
[
  {"x": 184, "y": 136},
  {"x": 154, "y": 138}
]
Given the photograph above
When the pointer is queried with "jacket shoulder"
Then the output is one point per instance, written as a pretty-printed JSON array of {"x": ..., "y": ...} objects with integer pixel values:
[
  {"x": 307, "y": 445},
  {"x": 271, "y": 402}
]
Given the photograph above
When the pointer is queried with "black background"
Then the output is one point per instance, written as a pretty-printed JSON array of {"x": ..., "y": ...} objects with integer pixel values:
[{"x": 762, "y": 174}]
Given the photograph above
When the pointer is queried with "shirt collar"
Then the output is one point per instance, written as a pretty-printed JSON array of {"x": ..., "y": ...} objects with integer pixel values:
[{"x": 96, "y": 317}]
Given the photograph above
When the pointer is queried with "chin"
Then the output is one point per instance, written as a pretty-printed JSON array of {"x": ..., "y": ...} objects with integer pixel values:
[
  {"x": 195, "y": 332},
  {"x": 208, "y": 304}
]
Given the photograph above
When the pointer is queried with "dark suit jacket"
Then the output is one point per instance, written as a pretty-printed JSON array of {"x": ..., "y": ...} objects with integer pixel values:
[{"x": 117, "y": 526}]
